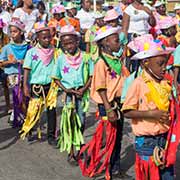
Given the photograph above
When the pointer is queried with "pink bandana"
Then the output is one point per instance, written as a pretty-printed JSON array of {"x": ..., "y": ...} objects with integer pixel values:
[
  {"x": 45, "y": 55},
  {"x": 74, "y": 61}
]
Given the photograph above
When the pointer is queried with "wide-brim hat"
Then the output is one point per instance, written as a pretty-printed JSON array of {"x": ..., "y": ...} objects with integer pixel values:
[
  {"x": 111, "y": 15},
  {"x": 106, "y": 31},
  {"x": 151, "y": 48},
  {"x": 58, "y": 9},
  {"x": 177, "y": 6},
  {"x": 18, "y": 24},
  {"x": 41, "y": 26},
  {"x": 68, "y": 30},
  {"x": 167, "y": 22},
  {"x": 158, "y": 3}
]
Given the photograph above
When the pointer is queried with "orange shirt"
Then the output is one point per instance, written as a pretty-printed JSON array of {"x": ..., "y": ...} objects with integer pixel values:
[
  {"x": 72, "y": 21},
  {"x": 136, "y": 99},
  {"x": 102, "y": 79},
  {"x": 53, "y": 23}
]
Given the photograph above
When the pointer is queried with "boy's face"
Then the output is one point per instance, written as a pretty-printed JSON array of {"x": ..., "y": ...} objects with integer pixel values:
[
  {"x": 113, "y": 42},
  {"x": 44, "y": 38},
  {"x": 173, "y": 30},
  {"x": 58, "y": 16},
  {"x": 157, "y": 65},
  {"x": 70, "y": 43},
  {"x": 15, "y": 33}
]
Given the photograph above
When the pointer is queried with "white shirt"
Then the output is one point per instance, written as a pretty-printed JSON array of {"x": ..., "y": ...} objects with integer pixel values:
[
  {"x": 27, "y": 19},
  {"x": 138, "y": 20},
  {"x": 86, "y": 19},
  {"x": 6, "y": 17}
]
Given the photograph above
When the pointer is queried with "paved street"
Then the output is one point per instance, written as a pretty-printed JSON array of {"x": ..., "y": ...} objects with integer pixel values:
[{"x": 20, "y": 160}]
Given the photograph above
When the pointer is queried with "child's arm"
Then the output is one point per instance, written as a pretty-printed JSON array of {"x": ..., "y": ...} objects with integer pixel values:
[
  {"x": 110, "y": 113},
  {"x": 176, "y": 72},
  {"x": 25, "y": 83},
  {"x": 81, "y": 91},
  {"x": 162, "y": 116},
  {"x": 58, "y": 82}
]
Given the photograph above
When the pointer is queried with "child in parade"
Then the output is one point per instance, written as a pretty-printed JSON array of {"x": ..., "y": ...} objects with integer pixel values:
[
  {"x": 70, "y": 18},
  {"x": 38, "y": 65},
  {"x": 147, "y": 103},
  {"x": 72, "y": 73},
  {"x": 12, "y": 57},
  {"x": 177, "y": 11},
  {"x": 106, "y": 90},
  {"x": 91, "y": 46},
  {"x": 58, "y": 13}
]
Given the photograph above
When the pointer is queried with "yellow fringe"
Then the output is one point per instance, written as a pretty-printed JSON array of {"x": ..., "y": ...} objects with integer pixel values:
[
  {"x": 51, "y": 99},
  {"x": 35, "y": 109}
]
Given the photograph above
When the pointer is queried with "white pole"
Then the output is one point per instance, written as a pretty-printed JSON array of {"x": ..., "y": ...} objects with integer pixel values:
[{"x": 94, "y": 3}]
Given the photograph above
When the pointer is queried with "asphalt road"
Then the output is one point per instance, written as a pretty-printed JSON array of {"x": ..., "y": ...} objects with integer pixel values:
[{"x": 20, "y": 160}]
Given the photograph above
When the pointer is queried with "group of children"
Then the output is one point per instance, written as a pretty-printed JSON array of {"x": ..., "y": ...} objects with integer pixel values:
[{"x": 149, "y": 96}]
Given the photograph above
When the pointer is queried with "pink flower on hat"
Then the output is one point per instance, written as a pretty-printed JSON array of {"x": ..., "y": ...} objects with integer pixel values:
[
  {"x": 111, "y": 15},
  {"x": 58, "y": 9}
]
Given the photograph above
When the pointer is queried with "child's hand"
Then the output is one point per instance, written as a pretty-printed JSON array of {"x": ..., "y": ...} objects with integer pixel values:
[
  {"x": 26, "y": 91},
  {"x": 112, "y": 116},
  {"x": 162, "y": 116},
  {"x": 11, "y": 59},
  {"x": 77, "y": 93}
]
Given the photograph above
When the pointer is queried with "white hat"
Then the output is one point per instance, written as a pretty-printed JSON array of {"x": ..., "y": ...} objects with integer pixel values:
[
  {"x": 177, "y": 6},
  {"x": 106, "y": 31},
  {"x": 158, "y": 3},
  {"x": 70, "y": 5}
]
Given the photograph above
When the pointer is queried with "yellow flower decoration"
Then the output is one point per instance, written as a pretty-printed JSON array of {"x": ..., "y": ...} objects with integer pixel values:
[
  {"x": 103, "y": 29},
  {"x": 146, "y": 46}
]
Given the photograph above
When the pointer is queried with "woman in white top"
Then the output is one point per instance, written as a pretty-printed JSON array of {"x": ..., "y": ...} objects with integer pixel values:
[
  {"x": 136, "y": 19},
  {"x": 27, "y": 14}
]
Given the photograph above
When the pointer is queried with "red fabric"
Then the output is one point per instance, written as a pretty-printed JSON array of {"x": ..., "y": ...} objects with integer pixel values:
[
  {"x": 146, "y": 170},
  {"x": 99, "y": 156},
  {"x": 173, "y": 134}
]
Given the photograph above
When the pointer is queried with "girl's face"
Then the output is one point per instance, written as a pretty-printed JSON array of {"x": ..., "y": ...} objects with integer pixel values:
[
  {"x": 44, "y": 38},
  {"x": 156, "y": 66},
  {"x": 41, "y": 9},
  {"x": 70, "y": 43},
  {"x": 173, "y": 30},
  {"x": 178, "y": 12},
  {"x": 15, "y": 33},
  {"x": 28, "y": 3},
  {"x": 58, "y": 16},
  {"x": 162, "y": 10},
  {"x": 113, "y": 42},
  {"x": 100, "y": 22},
  {"x": 86, "y": 4},
  {"x": 113, "y": 23}
]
